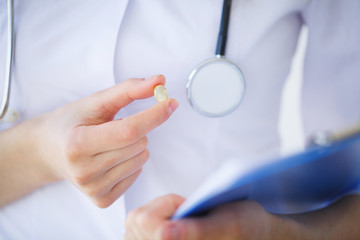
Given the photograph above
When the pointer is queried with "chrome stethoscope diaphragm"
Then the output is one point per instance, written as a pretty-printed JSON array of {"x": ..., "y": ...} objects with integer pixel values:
[{"x": 217, "y": 86}]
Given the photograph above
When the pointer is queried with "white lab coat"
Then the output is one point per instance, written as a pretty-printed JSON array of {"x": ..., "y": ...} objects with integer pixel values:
[{"x": 69, "y": 49}]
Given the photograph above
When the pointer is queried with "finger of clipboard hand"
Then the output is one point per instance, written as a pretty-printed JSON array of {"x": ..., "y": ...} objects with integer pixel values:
[
  {"x": 104, "y": 104},
  {"x": 148, "y": 219},
  {"x": 121, "y": 133}
]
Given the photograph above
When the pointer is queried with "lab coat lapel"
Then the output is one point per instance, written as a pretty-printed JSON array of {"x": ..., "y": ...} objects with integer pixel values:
[{"x": 69, "y": 56}]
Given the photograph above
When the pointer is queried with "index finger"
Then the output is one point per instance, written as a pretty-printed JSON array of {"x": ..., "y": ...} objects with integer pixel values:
[
  {"x": 104, "y": 104},
  {"x": 121, "y": 133}
]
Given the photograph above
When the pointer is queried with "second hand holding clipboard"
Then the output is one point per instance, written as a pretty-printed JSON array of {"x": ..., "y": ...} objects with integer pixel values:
[{"x": 310, "y": 180}]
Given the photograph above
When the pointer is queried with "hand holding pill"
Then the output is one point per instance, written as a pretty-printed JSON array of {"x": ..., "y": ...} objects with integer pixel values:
[{"x": 102, "y": 156}]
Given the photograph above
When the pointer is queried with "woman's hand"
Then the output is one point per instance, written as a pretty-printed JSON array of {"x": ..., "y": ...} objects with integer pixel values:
[
  {"x": 240, "y": 220},
  {"x": 82, "y": 143},
  {"x": 243, "y": 220}
]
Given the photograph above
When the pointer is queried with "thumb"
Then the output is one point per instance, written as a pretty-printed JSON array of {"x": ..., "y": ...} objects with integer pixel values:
[
  {"x": 103, "y": 105},
  {"x": 211, "y": 227}
]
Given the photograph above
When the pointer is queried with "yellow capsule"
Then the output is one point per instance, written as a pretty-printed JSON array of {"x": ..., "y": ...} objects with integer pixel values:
[{"x": 160, "y": 93}]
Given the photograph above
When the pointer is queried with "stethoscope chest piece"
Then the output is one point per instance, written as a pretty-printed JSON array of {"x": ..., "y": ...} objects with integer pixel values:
[{"x": 216, "y": 87}]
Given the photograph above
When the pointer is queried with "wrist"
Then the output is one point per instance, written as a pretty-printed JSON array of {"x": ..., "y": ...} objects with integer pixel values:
[
  {"x": 37, "y": 156},
  {"x": 21, "y": 166}
]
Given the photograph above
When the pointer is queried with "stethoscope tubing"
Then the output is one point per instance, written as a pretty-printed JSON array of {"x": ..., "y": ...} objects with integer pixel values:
[
  {"x": 9, "y": 59},
  {"x": 223, "y": 31},
  {"x": 220, "y": 48}
]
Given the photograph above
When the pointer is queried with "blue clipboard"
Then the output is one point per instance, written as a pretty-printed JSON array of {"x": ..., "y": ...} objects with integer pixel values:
[{"x": 302, "y": 182}]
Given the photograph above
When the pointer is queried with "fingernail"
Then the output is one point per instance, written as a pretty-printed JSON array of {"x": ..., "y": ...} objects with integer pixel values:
[
  {"x": 173, "y": 106},
  {"x": 153, "y": 77}
]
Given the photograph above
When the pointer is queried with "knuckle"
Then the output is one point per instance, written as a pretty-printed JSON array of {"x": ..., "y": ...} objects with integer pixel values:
[
  {"x": 140, "y": 159},
  {"x": 144, "y": 142},
  {"x": 79, "y": 179},
  {"x": 145, "y": 155},
  {"x": 72, "y": 152},
  {"x": 82, "y": 176},
  {"x": 92, "y": 192},
  {"x": 105, "y": 198},
  {"x": 74, "y": 147},
  {"x": 103, "y": 202},
  {"x": 130, "y": 132}
]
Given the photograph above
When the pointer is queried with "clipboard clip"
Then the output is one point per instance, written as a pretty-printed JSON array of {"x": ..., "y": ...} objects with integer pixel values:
[{"x": 326, "y": 138}]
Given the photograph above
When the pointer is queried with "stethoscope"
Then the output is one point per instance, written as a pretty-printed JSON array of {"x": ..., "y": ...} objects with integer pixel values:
[
  {"x": 215, "y": 87},
  {"x": 9, "y": 59}
]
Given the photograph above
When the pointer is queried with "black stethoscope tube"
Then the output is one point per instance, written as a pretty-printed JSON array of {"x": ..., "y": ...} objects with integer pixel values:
[
  {"x": 224, "y": 24},
  {"x": 220, "y": 48}
]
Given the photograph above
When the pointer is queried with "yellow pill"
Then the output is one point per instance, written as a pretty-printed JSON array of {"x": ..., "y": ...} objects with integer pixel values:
[{"x": 160, "y": 93}]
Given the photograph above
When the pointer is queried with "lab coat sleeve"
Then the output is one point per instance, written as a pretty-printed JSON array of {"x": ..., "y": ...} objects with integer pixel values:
[{"x": 331, "y": 84}]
